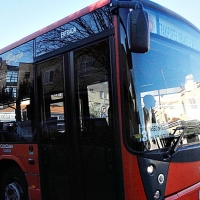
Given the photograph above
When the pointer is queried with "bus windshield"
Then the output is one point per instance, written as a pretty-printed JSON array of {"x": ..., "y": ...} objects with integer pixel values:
[{"x": 167, "y": 84}]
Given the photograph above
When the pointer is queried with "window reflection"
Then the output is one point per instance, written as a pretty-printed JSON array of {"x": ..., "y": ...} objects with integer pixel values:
[
  {"x": 98, "y": 100},
  {"x": 50, "y": 76},
  {"x": 169, "y": 94},
  {"x": 95, "y": 119},
  {"x": 76, "y": 30},
  {"x": 16, "y": 95}
]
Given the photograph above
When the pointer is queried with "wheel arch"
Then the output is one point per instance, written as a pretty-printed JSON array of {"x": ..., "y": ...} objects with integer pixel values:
[
  {"x": 12, "y": 176},
  {"x": 7, "y": 163}
]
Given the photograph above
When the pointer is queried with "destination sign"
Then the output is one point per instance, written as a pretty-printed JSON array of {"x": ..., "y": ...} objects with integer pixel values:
[
  {"x": 173, "y": 30},
  {"x": 7, "y": 116}
]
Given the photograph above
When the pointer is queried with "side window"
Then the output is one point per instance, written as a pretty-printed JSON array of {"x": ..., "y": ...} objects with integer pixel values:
[
  {"x": 50, "y": 84},
  {"x": 17, "y": 122}
]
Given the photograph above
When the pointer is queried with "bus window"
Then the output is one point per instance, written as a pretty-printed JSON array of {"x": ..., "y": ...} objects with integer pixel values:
[
  {"x": 92, "y": 76},
  {"x": 98, "y": 97},
  {"x": 52, "y": 131},
  {"x": 51, "y": 80},
  {"x": 16, "y": 97},
  {"x": 169, "y": 99}
]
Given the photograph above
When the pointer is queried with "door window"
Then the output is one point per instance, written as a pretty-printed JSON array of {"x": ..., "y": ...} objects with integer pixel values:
[
  {"x": 93, "y": 92},
  {"x": 53, "y": 139}
]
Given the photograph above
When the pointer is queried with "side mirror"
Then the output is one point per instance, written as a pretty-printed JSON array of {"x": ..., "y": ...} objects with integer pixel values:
[{"x": 138, "y": 31}]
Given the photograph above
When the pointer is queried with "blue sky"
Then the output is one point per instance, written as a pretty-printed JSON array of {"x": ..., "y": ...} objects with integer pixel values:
[{"x": 19, "y": 18}]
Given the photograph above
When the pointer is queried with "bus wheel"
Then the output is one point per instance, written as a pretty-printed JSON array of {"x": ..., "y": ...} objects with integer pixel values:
[{"x": 13, "y": 185}]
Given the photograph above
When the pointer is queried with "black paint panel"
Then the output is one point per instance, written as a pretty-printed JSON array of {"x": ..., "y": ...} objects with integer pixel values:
[
  {"x": 150, "y": 182},
  {"x": 187, "y": 154}
]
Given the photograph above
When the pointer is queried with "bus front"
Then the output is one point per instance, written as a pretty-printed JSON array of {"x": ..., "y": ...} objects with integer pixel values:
[{"x": 161, "y": 107}]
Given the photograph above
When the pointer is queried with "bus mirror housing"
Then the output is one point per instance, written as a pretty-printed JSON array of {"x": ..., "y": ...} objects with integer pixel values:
[{"x": 138, "y": 31}]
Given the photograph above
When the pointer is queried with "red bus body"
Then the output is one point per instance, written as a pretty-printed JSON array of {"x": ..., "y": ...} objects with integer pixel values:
[{"x": 56, "y": 154}]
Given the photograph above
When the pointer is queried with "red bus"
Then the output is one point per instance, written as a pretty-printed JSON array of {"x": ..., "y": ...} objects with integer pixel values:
[{"x": 104, "y": 105}]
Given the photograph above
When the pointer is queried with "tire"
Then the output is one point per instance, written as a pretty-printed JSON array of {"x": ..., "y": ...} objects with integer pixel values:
[{"x": 13, "y": 185}]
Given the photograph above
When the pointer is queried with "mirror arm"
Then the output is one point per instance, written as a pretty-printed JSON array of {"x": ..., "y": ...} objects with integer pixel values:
[{"x": 125, "y": 4}]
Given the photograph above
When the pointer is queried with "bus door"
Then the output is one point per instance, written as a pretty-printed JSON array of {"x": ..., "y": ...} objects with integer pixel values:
[
  {"x": 94, "y": 121},
  {"x": 53, "y": 135}
]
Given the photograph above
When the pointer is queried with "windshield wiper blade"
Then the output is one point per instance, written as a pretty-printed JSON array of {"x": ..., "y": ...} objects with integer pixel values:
[{"x": 174, "y": 147}]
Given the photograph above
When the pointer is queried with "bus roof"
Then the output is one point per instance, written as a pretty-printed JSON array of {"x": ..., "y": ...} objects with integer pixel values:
[
  {"x": 61, "y": 22},
  {"x": 85, "y": 11}
]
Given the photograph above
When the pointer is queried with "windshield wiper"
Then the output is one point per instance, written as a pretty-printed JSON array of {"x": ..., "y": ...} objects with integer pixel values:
[
  {"x": 176, "y": 143},
  {"x": 174, "y": 146}
]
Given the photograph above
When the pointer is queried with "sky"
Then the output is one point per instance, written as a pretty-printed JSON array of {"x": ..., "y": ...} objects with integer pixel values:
[{"x": 19, "y": 18}]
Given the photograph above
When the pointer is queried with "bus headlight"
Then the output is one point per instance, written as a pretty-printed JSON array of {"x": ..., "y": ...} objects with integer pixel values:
[
  {"x": 157, "y": 195},
  {"x": 151, "y": 170},
  {"x": 161, "y": 178}
]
